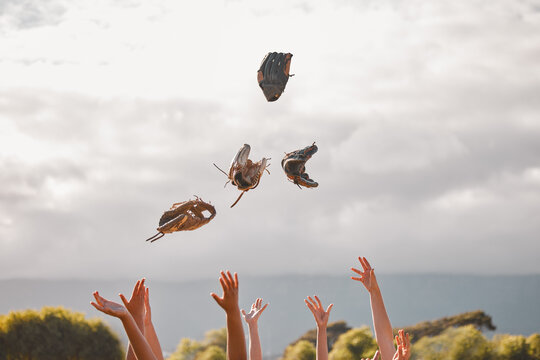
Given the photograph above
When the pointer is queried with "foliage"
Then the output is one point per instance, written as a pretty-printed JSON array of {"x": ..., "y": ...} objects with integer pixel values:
[
  {"x": 55, "y": 333},
  {"x": 454, "y": 344},
  {"x": 302, "y": 350},
  {"x": 212, "y": 347},
  {"x": 333, "y": 331},
  {"x": 511, "y": 347},
  {"x": 533, "y": 343},
  {"x": 212, "y": 352},
  {"x": 354, "y": 344},
  {"x": 478, "y": 319}
]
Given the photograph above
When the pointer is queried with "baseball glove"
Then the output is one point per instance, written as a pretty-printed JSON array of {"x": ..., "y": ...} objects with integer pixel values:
[
  {"x": 187, "y": 215},
  {"x": 244, "y": 173},
  {"x": 274, "y": 74},
  {"x": 294, "y": 165}
]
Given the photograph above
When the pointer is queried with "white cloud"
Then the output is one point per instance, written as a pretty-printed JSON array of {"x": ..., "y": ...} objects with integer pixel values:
[{"x": 424, "y": 113}]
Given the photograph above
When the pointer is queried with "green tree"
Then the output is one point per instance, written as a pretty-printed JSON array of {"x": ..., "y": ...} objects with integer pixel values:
[
  {"x": 56, "y": 334},
  {"x": 302, "y": 350},
  {"x": 533, "y": 343},
  {"x": 355, "y": 344},
  {"x": 212, "y": 352},
  {"x": 217, "y": 337},
  {"x": 186, "y": 350},
  {"x": 511, "y": 347},
  {"x": 189, "y": 349},
  {"x": 465, "y": 342}
]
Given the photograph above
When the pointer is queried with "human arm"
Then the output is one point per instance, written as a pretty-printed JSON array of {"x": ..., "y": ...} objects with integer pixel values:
[
  {"x": 141, "y": 348},
  {"x": 135, "y": 306},
  {"x": 236, "y": 342},
  {"x": 149, "y": 331},
  {"x": 381, "y": 322},
  {"x": 321, "y": 318},
  {"x": 251, "y": 318}
]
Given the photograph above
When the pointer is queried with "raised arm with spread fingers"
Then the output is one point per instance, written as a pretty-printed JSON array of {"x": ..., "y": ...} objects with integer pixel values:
[
  {"x": 236, "y": 342},
  {"x": 251, "y": 318},
  {"x": 149, "y": 331},
  {"x": 381, "y": 322},
  {"x": 135, "y": 306},
  {"x": 141, "y": 348},
  {"x": 321, "y": 318}
]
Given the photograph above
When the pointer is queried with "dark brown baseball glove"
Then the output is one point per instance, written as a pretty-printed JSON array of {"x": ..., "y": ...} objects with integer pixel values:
[
  {"x": 274, "y": 74},
  {"x": 294, "y": 165}
]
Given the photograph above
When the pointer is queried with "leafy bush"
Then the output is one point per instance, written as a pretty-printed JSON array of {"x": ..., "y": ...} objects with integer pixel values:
[{"x": 55, "y": 333}]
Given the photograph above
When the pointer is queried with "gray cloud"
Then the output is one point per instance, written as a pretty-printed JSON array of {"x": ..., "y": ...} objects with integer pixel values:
[{"x": 428, "y": 155}]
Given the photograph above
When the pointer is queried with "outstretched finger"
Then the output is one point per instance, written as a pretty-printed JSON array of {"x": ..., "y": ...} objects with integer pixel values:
[
  {"x": 329, "y": 308},
  {"x": 224, "y": 285},
  {"x": 376, "y": 356},
  {"x": 357, "y": 279},
  {"x": 124, "y": 300},
  {"x": 357, "y": 271},
  {"x": 312, "y": 302},
  {"x": 141, "y": 286},
  {"x": 264, "y": 307},
  {"x": 368, "y": 265},
  {"x": 217, "y": 298},
  {"x": 98, "y": 298},
  {"x": 310, "y": 307},
  {"x": 230, "y": 279},
  {"x": 99, "y": 307},
  {"x": 318, "y": 301},
  {"x": 362, "y": 262},
  {"x": 146, "y": 297},
  {"x": 236, "y": 280}
]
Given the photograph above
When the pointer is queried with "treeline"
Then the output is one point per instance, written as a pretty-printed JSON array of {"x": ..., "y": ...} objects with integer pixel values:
[
  {"x": 55, "y": 333},
  {"x": 450, "y": 338},
  {"x": 60, "y": 334}
]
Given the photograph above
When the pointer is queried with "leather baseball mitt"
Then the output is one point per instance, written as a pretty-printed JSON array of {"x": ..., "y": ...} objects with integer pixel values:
[
  {"x": 187, "y": 215},
  {"x": 274, "y": 74},
  {"x": 244, "y": 173},
  {"x": 294, "y": 165}
]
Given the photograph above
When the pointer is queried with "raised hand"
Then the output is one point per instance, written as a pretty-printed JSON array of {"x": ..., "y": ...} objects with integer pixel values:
[
  {"x": 229, "y": 301},
  {"x": 367, "y": 277},
  {"x": 109, "y": 307},
  {"x": 321, "y": 316},
  {"x": 236, "y": 344},
  {"x": 256, "y": 311},
  {"x": 404, "y": 346},
  {"x": 135, "y": 305}
]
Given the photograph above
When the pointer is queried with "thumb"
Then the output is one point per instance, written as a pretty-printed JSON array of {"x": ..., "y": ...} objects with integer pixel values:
[{"x": 124, "y": 300}]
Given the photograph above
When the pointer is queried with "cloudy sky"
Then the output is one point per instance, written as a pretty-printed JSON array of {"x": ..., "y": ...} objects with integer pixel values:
[{"x": 426, "y": 114}]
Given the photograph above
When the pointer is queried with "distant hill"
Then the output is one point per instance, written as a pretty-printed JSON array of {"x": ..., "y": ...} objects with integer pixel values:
[{"x": 185, "y": 309}]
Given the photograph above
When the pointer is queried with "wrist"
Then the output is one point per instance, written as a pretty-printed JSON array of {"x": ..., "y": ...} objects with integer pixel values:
[{"x": 321, "y": 327}]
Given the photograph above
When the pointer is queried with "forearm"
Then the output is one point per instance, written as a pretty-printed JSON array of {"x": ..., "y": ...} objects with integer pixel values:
[
  {"x": 236, "y": 342},
  {"x": 141, "y": 348},
  {"x": 130, "y": 353},
  {"x": 322, "y": 344},
  {"x": 255, "y": 351},
  {"x": 381, "y": 324},
  {"x": 152, "y": 339}
]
